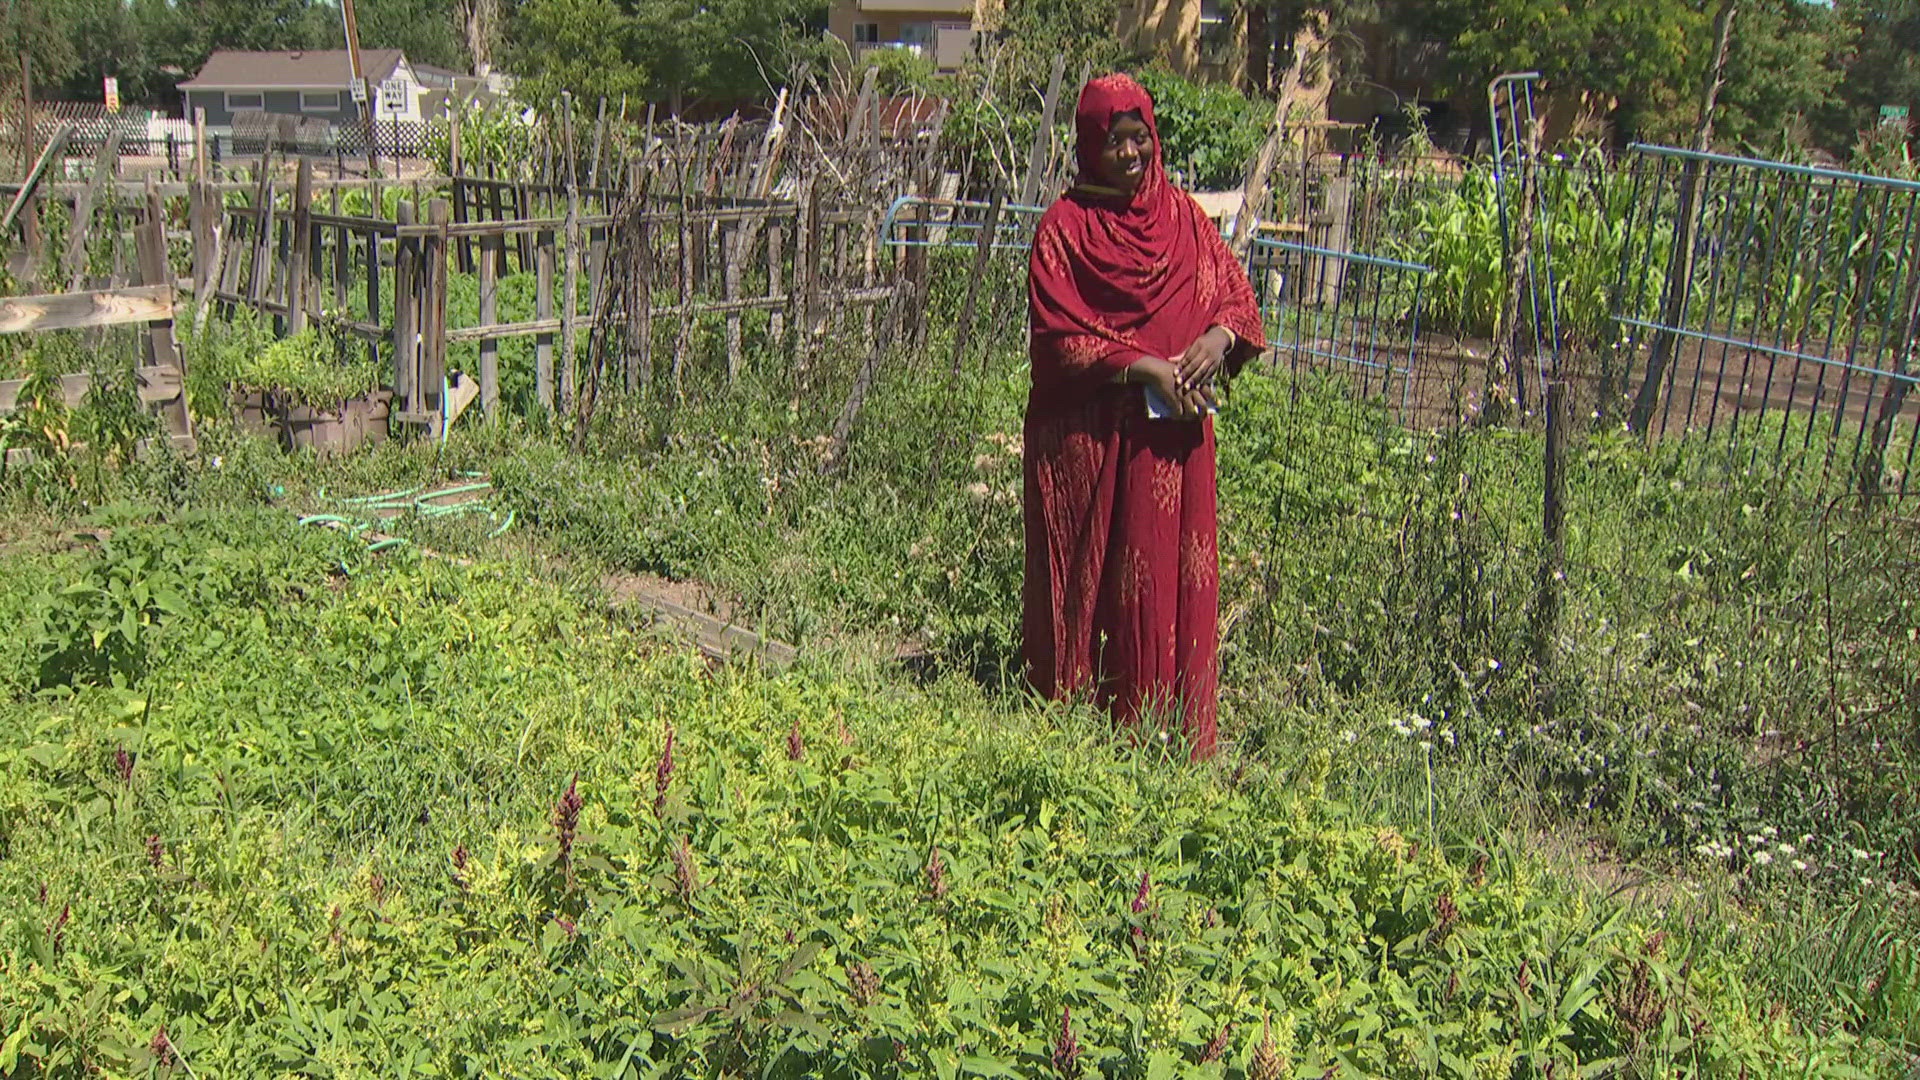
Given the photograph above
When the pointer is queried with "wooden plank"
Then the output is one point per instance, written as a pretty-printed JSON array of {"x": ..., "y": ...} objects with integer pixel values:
[
  {"x": 550, "y": 325},
  {"x": 596, "y": 269},
  {"x": 150, "y": 248},
  {"x": 522, "y": 210},
  {"x": 180, "y": 444},
  {"x": 437, "y": 264},
  {"x": 599, "y": 139},
  {"x": 569, "y": 301},
  {"x": 81, "y": 227},
  {"x": 462, "y": 391},
  {"x": 261, "y": 272},
  {"x": 200, "y": 145},
  {"x": 724, "y": 641},
  {"x": 347, "y": 221},
  {"x": 492, "y": 248},
  {"x": 543, "y": 310},
  {"x": 685, "y": 290},
  {"x": 80, "y": 310},
  {"x": 342, "y": 263},
  {"x": 640, "y": 304},
  {"x": 156, "y": 383},
  {"x": 982, "y": 253},
  {"x": 1041, "y": 153},
  {"x": 406, "y": 288},
  {"x": 200, "y": 226},
  {"x": 367, "y": 331},
  {"x": 776, "y": 280},
  {"x": 730, "y": 248},
  {"x": 26, "y": 268},
  {"x": 299, "y": 260},
  {"x": 462, "y": 214},
  {"x": 32, "y": 182}
]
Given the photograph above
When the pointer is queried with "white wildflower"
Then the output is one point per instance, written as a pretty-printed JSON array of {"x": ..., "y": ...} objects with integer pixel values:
[{"x": 1762, "y": 858}]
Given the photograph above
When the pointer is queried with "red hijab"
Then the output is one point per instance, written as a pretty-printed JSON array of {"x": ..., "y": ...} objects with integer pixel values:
[{"x": 1113, "y": 278}]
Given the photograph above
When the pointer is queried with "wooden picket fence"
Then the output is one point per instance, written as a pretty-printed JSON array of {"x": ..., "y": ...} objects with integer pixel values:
[{"x": 161, "y": 373}]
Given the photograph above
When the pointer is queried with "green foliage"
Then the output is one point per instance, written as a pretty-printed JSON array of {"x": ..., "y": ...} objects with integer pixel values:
[
  {"x": 1454, "y": 227},
  {"x": 1210, "y": 133},
  {"x": 312, "y": 368},
  {"x": 493, "y": 137},
  {"x": 901, "y": 71},
  {"x": 674, "y": 51},
  {"x": 99, "y": 628},
  {"x": 1643, "y": 63},
  {"x": 422, "y": 841}
]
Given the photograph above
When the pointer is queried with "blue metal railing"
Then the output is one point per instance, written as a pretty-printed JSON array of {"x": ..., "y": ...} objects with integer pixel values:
[
  {"x": 1342, "y": 311},
  {"x": 1790, "y": 310},
  {"x": 915, "y": 221}
]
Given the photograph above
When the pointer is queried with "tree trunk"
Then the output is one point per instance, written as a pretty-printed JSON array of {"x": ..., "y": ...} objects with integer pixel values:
[
  {"x": 1680, "y": 265},
  {"x": 1259, "y": 50}
]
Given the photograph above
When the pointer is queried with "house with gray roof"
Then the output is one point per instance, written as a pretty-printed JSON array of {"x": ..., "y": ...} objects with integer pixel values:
[{"x": 312, "y": 84}]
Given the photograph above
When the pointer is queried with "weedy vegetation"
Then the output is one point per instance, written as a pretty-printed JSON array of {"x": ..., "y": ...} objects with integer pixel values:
[{"x": 273, "y": 802}]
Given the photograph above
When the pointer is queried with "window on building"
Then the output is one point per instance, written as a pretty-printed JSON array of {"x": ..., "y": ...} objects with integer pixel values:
[
  {"x": 920, "y": 33},
  {"x": 250, "y": 102},
  {"x": 866, "y": 33},
  {"x": 319, "y": 101}
]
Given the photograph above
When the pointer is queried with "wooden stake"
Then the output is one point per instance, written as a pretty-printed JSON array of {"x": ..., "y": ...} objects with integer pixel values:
[
  {"x": 1042, "y": 151},
  {"x": 299, "y": 262}
]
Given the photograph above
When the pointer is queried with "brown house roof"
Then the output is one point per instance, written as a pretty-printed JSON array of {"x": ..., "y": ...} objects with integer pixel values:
[{"x": 309, "y": 69}]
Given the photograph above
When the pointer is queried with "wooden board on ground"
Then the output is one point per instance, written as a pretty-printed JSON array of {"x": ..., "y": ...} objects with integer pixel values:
[
  {"x": 721, "y": 639},
  {"x": 157, "y": 383}
]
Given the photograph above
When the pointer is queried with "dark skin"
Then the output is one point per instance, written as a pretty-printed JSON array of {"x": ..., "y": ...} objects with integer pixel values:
[{"x": 1184, "y": 381}]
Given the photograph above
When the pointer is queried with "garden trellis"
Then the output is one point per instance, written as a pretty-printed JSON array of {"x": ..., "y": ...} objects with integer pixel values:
[{"x": 1793, "y": 318}]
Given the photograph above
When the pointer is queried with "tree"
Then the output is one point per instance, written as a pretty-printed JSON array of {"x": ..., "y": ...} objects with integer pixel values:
[
  {"x": 674, "y": 51},
  {"x": 1785, "y": 63},
  {"x": 1881, "y": 67},
  {"x": 582, "y": 46},
  {"x": 1646, "y": 58},
  {"x": 426, "y": 30},
  {"x": 479, "y": 22},
  {"x": 29, "y": 29}
]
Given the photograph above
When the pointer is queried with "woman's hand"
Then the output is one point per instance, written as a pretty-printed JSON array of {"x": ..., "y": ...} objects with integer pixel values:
[
  {"x": 1203, "y": 359},
  {"x": 1164, "y": 376}
]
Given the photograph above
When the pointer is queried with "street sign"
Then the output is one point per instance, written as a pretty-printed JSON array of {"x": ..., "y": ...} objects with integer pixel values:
[
  {"x": 393, "y": 96},
  {"x": 358, "y": 91},
  {"x": 1892, "y": 113},
  {"x": 111, "y": 86}
]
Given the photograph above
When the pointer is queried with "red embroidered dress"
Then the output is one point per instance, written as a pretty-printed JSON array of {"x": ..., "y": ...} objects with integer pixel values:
[{"x": 1122, "y": 571}]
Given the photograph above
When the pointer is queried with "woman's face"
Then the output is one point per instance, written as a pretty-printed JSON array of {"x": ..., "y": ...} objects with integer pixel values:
[{"x": 1123, "y": 161}]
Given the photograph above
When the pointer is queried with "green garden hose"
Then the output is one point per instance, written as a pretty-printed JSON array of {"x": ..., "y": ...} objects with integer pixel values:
[{"x": 417, "y": 501}]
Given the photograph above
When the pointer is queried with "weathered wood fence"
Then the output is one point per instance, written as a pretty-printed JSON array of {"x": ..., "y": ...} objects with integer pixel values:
[
  {"x": 160, "y": 375},
  {"x": 731, "y": 238}
]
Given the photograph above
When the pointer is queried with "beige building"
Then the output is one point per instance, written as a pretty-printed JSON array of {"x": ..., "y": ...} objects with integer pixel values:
[
  {"x": 1200, "y": 39},
  {"x": 942, "y": 30},
  {"x": 1365, "y": 72}
]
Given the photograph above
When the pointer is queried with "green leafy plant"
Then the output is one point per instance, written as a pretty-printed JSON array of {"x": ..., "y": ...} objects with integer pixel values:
[
  {"x": 306, "y": 369},
  {"x": 1209, "y": 133},
  {"x": 494, "y": 138}
]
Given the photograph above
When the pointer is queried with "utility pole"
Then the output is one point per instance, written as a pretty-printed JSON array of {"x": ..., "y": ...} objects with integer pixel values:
[{"x": 360, "y": 80}]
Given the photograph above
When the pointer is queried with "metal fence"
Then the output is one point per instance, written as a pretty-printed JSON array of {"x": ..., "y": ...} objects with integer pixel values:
[{"x": 1786, "y": 311}]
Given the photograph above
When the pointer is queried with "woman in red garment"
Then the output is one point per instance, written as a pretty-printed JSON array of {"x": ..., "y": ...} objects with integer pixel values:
[{"x": 1130, "y": 287}]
